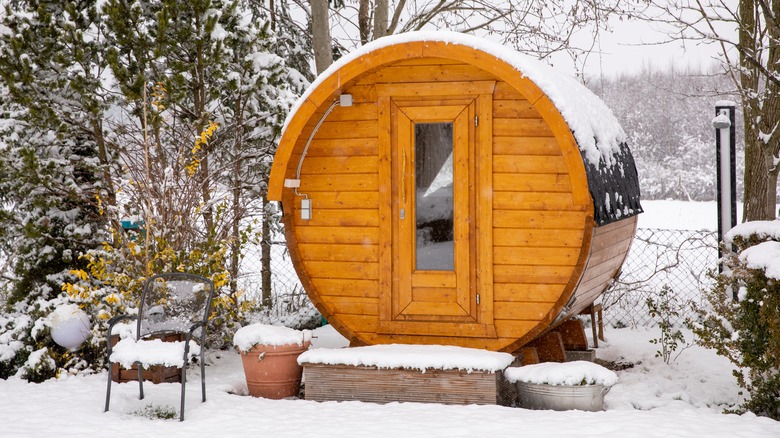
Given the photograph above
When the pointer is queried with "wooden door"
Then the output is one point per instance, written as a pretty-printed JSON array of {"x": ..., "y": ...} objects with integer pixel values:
[{"x": 431, "y": 218}]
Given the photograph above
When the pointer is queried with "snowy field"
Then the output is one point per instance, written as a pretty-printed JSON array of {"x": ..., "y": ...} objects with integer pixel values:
[
  {"x": 682, "y": 215},
  {"x": 650, "y": 399}
]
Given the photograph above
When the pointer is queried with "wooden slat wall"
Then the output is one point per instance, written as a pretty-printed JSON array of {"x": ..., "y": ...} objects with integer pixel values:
[
  {"x": 608, "y": 250},
  {"x": 537, "y": 234},
  {"x": 339, "y": 245}
]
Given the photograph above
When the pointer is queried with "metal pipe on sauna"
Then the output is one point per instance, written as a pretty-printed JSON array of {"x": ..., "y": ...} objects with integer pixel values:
[{"x": 344, "y": 100}]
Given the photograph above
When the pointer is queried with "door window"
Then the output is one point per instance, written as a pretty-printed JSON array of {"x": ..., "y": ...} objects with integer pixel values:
[{"x": 434, "y": 224}]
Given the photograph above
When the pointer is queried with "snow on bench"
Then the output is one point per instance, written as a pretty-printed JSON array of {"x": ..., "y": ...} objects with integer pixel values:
[{"x": 405, "y": 373}]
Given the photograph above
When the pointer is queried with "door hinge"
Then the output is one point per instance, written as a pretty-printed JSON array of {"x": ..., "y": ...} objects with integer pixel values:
[
  {"x": 477, "y": 299},
  {"x": 476, "y": 120}
]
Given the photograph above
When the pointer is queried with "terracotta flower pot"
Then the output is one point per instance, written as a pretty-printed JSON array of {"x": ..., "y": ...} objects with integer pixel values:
[{"x": 273, "y": 371}]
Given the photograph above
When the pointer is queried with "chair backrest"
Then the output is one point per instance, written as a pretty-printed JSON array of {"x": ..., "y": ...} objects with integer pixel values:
[{"x": 173, "y": 302}]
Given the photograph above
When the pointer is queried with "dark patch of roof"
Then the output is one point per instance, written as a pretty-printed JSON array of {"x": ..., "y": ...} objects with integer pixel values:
[{"x": 615, "y": 188}]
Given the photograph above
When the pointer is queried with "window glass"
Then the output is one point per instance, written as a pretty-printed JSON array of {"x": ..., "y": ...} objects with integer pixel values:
[{"x": 434, "y": 216}]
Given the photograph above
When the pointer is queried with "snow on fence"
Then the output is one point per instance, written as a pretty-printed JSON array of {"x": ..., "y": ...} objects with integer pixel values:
[{"x": 680, "y": 259}]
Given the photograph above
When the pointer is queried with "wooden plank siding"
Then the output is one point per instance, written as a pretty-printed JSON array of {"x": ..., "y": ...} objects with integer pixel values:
[
  {"x": 609, "y": 248},
  {"x": 370, "y": 384},
  {"x": 339, "y": 245}
]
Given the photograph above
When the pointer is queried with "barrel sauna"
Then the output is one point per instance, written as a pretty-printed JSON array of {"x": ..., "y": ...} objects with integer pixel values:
[{"x": 440, "y": 189}]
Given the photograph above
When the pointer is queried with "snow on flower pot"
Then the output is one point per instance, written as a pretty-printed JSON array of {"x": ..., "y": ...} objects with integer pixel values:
[
  {"x": 270, "y": 358},
  {"x": 562, "y": 386},
  {"x": 70, "y": 326}
]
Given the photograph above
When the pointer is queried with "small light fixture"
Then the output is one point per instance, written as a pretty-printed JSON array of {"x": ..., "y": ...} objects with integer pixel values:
[
  {"x": 722, "y": 121},
  {"x": 70, "y": 326},
  {"x": 345, "y": 100}
]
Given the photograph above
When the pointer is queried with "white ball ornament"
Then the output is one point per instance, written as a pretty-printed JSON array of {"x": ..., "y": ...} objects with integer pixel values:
[{"x": 70, "y": 326}]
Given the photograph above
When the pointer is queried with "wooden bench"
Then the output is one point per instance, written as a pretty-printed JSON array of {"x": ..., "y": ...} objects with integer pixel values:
[{"x": 383, "y": 384}]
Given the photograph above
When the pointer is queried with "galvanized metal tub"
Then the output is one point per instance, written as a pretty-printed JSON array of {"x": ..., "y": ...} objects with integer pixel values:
[{"x": 561, "y": 397}]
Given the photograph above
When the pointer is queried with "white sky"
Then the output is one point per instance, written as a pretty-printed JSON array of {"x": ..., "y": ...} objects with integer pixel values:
[
  {"x": 634, "y": 45},
  {"x": 627, "y": 50}
]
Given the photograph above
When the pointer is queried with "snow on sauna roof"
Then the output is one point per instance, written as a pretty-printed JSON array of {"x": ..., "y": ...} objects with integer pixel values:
[
  {"x": 420, "y": 357},
  {"x": 595, "y": 128},
  {"x": 609, "y": 165}
]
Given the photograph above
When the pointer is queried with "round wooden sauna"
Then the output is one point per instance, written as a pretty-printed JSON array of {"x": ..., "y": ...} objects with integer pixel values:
[{"x": 440, "y": 189}]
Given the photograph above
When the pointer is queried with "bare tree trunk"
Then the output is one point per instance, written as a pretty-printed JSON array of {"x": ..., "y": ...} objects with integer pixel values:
[
  {"x": 108, "y": 182},
  {"x": 265, "y": 256},
  {"x": 770, "y": 120},
  {"x": 761, "y": 111},
  {"x": 235, "y": 231},
  {"x": 364, "y": 21},
  {"x": 756, "y": 175},
  {"x": 320, "y": 35},
  {"x": 272, "y": 8},
  {"x": 380, "y": 18},
  {"x": 755, "y": 161},
  {"x": 199, "y": 109}
]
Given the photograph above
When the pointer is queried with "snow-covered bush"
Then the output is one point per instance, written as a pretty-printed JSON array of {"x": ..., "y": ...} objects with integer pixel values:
[
  {"x": 743, "y": 321},
  {"x": 27, "y": 349}
]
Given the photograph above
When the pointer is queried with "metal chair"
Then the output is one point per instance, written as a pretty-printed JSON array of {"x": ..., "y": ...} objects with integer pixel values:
[{"x": 171, "y": 303}]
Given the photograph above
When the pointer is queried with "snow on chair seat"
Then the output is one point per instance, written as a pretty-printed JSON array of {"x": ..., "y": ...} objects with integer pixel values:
[{"x": 151, "y": 352}]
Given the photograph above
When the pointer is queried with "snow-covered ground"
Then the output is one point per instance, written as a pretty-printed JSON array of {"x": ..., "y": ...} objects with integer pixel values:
[
  {"x": 651, "y": 399},
  {"x": 682, "y": 215},
  {"x": 679, "y": 215}
]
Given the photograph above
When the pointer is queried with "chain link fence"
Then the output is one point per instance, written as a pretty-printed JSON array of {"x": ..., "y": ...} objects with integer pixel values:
[
  {"x": 681, "y": 260},
  {"x": 290, "y": 304}
]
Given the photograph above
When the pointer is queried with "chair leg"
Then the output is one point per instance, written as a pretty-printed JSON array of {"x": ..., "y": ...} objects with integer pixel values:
[
  {"x": 108, "y": 388},
  {"x": 140, "y": 380},
  {"x": 203, "y": 376},
  {"x": 183, "y": 385}
]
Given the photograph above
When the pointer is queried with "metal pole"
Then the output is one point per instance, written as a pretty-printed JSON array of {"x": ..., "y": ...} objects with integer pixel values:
[{"x": 726, "y": 167}]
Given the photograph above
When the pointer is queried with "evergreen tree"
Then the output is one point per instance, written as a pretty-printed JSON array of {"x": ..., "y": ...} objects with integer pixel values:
[
  {"x": 50, "y": 64},
  {"x": 55, "y": 174}
]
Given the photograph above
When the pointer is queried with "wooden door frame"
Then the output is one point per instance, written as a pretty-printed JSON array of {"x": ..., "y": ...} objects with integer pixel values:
[
  {"x": 404, "y": 116},
  {"x": 479, "y": 322}
]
